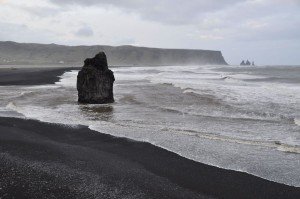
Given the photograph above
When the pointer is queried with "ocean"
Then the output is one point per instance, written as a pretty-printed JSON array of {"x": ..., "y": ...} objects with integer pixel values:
[{"x": 242, "y": 118}]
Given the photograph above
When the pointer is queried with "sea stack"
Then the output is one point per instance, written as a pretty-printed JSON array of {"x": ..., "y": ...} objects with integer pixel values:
[{"x": 95, "y": 81}]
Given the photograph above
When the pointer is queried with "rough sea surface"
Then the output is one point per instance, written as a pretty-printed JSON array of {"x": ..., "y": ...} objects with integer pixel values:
[{"x": 240, "y": 118}]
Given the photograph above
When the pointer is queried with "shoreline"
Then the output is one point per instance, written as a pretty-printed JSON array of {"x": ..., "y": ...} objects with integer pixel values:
[
  {"x": 39, "y": 160},
  {"x": 32, "y": 76},
  {"x": 51, "y": 149}
]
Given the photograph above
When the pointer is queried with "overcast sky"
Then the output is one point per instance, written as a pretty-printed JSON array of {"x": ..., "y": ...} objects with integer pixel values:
[{"x": 267, "y": 31}]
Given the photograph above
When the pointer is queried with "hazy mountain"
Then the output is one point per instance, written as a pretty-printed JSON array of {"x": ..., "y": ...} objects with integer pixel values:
[{"x": 29, "y": 53}]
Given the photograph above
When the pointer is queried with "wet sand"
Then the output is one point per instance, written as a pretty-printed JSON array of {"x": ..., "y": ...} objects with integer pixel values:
[
  {"x": 31, "y": 76},
  {"x": 42, "y": 160}
]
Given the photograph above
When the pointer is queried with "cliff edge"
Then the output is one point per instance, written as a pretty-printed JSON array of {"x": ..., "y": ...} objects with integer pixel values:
[{"x": 28, "y": 53}]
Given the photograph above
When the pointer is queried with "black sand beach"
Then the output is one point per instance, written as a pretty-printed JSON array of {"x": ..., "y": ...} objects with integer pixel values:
[
  {"x": 41, "y": 160},
  {"x": 31, "y": 76}
]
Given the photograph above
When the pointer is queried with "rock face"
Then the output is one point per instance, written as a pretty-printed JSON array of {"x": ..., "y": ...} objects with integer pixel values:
[
  {"x": 247, "y": 63},
  {"x": 95, "y": 81},
  {"x": 19, "y": 53}
]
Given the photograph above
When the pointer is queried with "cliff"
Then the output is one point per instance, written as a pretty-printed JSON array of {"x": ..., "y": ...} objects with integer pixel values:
[{"x": 28, "y": 53}]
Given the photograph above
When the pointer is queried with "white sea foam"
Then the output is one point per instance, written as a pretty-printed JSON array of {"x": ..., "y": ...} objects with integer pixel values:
[
  {"x": 68, "y": 79},
  {"x": 297, "y": 121},
  {"x": 39, "y": 87},
  {"x": 289, "y": 149},
  {"x": 12, "y": 106},
  {"x": 245, "y": 76}
]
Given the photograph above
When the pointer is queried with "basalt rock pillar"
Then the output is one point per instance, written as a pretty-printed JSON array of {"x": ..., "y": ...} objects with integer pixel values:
[{"x": 95, "y": 81}]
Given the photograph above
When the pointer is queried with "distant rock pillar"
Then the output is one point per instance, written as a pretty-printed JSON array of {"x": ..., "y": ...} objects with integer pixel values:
[{"x": 95, "y": 81}]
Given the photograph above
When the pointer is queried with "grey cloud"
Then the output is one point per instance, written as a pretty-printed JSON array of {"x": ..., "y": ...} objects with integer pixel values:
[
  {"x": 42, "y": 11},
  {"x": 21, "y": 33},
  {"x": 85, "y": 31},
  {"x": 286, "y": 31},
  {"x": 165, "y": 11},
  {"x": 125, "y": 41},
  {"x": 254, "y": 21},
  {"x": 7, "y": 30}
]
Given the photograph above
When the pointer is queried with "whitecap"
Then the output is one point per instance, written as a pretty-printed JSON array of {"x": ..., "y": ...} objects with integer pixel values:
[
  {"x": 68, "y": 79},
  {"x": 297, "y": 121}
]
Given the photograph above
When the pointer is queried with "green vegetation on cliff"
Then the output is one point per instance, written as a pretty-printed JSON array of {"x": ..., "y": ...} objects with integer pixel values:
[{"x": 27, "y": 53}]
